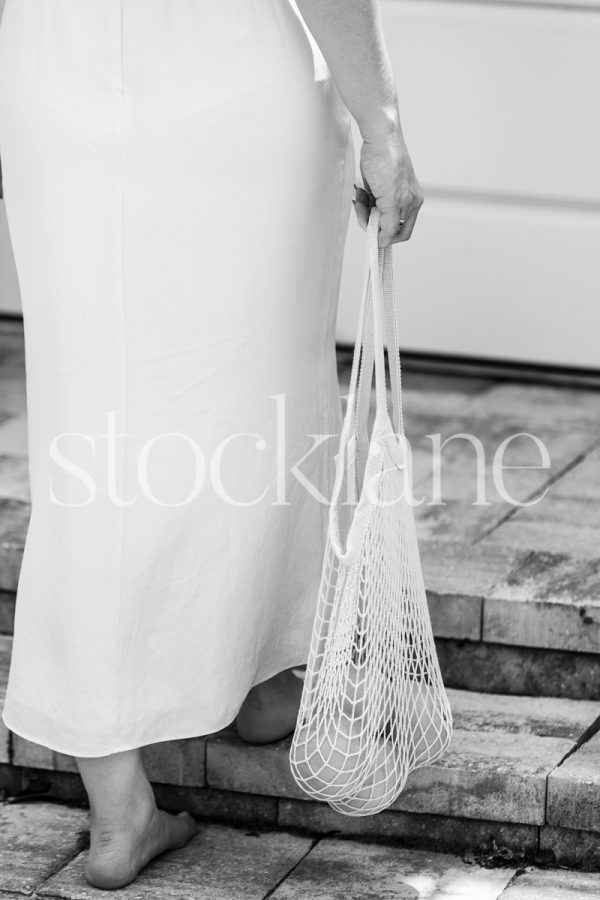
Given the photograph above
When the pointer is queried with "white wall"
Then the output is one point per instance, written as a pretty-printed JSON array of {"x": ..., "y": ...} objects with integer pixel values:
[{"x": 500, "y": 107}]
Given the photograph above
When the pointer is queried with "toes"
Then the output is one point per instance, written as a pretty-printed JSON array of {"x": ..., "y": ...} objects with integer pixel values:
[
  {"x": 190, "y": 825},
  {"x": 179, "y": 829}
]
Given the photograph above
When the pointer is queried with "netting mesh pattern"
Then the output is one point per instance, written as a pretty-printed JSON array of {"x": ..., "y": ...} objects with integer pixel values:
[{"x": 373, "y": 706}]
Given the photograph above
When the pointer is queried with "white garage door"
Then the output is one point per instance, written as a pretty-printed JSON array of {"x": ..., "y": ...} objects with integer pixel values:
[{"x": 501, "y": 111}]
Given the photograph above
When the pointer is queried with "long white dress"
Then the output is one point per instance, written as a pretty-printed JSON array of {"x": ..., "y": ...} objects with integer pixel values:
[{"x": 177, "y": 178}]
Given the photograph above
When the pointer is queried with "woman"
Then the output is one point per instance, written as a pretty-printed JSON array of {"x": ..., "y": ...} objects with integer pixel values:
[{"x": 177, "y": 179}]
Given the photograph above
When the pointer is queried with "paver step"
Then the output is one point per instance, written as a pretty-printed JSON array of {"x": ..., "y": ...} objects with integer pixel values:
[
  {"x": 223, "y": 862},
  {"x": 506, "y": 620},
  {"x": 521, "y": 771}
]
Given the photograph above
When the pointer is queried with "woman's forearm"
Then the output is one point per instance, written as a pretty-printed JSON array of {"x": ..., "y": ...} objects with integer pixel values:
[{"x": 350, "y": 36}]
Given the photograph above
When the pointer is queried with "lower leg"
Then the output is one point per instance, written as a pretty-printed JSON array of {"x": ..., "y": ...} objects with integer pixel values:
[
  {"x": 126, "y": 828},
  {"x": 270, "y": 710}
]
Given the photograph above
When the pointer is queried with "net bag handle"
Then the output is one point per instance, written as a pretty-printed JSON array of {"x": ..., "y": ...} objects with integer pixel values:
[
  {"x": 362, "y": 405},
  {"x": 377, "y": 313}
]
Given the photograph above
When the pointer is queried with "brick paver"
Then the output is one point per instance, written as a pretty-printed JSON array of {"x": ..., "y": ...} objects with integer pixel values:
[
  {"x": 341, "y": 870},
  {"x": 220, "y": 863},
  {"x": 574, "y": 790},
  {"x": 36, "y": 839},
  {"x": 553, "y": 884},
  {"x": 43, "y": 851},
  {"x": 550, "y": 600}
]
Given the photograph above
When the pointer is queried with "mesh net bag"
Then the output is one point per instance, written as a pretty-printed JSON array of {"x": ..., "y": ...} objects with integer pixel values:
[{"x": 373, "y": 704}]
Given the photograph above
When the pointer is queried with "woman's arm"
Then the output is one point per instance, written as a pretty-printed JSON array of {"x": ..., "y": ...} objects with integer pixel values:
[{"x": 350, "y": 36}]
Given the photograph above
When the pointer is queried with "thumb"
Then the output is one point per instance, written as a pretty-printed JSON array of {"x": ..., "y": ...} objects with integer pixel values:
[{"x": 363, "y": 201}]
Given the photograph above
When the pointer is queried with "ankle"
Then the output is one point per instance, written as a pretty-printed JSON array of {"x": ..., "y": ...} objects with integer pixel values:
[
  {"x": 118, "y": 790},
  {"x": 135, "y": 811}
]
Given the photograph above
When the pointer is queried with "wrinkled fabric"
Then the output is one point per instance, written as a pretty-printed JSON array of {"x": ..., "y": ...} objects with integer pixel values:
[{"x": 177, "y": 179}]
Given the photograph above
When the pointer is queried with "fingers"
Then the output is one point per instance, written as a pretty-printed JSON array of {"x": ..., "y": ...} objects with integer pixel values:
[
  {"x": 406, "y": 228},
  {"x": 394, "y": 225},
  {"x": 388, "y": 227}
]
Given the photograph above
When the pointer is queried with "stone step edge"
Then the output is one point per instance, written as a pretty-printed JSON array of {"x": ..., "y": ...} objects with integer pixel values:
[
  {"x": 498, "y": 775},
  {"x": 483, "y": 595},
  {"x": 500, "y": 841},
  {"x": 511, "y": 669},
  {"x": 488, "y": 667}
]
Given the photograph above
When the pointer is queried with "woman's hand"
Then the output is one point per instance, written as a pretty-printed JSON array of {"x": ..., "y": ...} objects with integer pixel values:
[
  {"x": 391, "y": 184},
  {"x": 350, "y": 36}
]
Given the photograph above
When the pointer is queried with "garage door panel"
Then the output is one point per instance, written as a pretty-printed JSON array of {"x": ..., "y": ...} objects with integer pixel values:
[
  {"x": 500, "y": 281},
  {"x": 500, "y": 97}
]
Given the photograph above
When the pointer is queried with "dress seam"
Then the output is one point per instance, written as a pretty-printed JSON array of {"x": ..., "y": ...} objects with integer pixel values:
[{"x": 120, "y": 680}]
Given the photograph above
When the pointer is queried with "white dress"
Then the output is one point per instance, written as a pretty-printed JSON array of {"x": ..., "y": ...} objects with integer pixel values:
[{"x": 177, "y": 179}]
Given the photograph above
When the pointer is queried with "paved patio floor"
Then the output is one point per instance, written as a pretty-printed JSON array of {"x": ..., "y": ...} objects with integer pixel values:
[{"x": 42, "y": 854}]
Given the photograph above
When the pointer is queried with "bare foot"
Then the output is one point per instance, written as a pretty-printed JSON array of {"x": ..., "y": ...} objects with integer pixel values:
[
  {"x": 270, "y": 710},
  {"x": 118, "y": 854}
]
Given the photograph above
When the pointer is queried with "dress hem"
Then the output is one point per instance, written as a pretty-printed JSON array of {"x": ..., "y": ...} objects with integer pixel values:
[{"x": 179, "y": 734}]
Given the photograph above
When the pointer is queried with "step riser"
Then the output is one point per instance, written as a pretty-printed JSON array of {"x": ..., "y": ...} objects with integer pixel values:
[
  {"x": 531, "y": 671},
  {"x": 481, "y": 666},
  {"x": 439, "y": 833}
]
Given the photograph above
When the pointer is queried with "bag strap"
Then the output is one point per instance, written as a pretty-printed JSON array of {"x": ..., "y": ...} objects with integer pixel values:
[
  {"x": 366, "y": 341},
  {"x": 392, "y": 341},
  {"x": 377, "y": 315}
]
